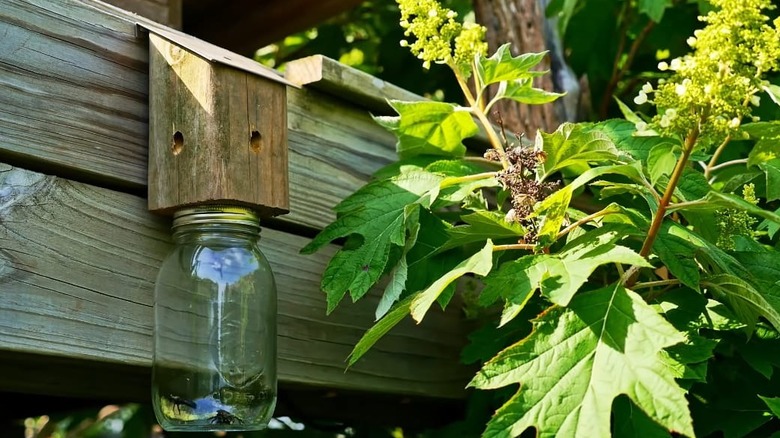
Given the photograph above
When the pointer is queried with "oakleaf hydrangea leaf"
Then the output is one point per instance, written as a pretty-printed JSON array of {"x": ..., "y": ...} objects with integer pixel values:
[
  {"x": 515, "y": 281},
  {"x": 399, "y": 274},
  {"x": 764, "y": 150},
  {"x": 523, "y": 91},
  {"x": 747, "y": 302},
  {"x": 570, "y": 145},
  {"x": 374, "y": 219},
  {"x": 578, "y": 359},
  {"x": 502, "y": 66},
  {"x": 622, "y": 133},
  {"x": 481, "y": 226},
  {"x": 553, "y": 209},
  {"x": 773, "y": 403},
  {"x": 390, "y": 320},
  {"x": 429, "y": 128},
  {"x": 716, "y": 200},
  {"x": 480, "y": 263},
  {"x": 559, "y": 276},
  {"x": 571, "y": 268}
]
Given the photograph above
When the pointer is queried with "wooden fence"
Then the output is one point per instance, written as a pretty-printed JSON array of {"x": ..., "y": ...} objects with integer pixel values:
[{"x": 79, "y": 250}]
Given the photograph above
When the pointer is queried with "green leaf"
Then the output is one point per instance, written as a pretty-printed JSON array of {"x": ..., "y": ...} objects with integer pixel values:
[
  {"x": 571, "y": 268},
  {"x": 515, "y": 281},
  {"x": 743, "y": 299},
  {"x": 661, "y": 161},
  {"x": 629, "y": 114},
  {"x": 764, "y": 150},
  {"x": 390, "y": 320},
  {"x": 374, "y": 219},
  {"x": 481, "y": 226},
  {"x": 502, "y": 66},
  {"x": 523, "y": 91},
  {"x": 771, "y": 226},
  {"x": 654, "y": 8},
  {"x": 486, "y": 341},
  {"x": 678, "y": 255},
  {"x": 693, "y": 185},
  {"x": 731, "y": 201},
  {"x": 773, "y": 403},
  {"x": 632, "y": 422},
  {"x": 569, "y": 146},
  {"x": 772, "y": 170},
  {"x": 608, "y": 342},
  {"x": 398, "y": 276},
  {"x": 621, "y": 132},
  {"x": 553, "y": 209},
  {"x": 480, "y": 263},
  {"x": 773, "y": 91},
  {"x": 762, "y": 130},
  {"x": 429, "y": 128}
]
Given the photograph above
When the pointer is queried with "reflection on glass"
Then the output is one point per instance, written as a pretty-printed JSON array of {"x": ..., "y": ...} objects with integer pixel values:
[{"x": 215, "y": 325}]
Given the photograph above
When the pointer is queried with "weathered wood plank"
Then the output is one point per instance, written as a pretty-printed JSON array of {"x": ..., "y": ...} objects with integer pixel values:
[
  {"x": 359, "y": 88},
  {"x": 74, "y": 80},
  {"x": 352, "y": 85},
  {"x": 77, "y": 265},
  {"x": 216, "y": 134}
]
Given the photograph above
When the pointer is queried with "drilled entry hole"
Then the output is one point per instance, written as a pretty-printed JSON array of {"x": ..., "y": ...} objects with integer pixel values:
[
  {"x": 254, "y": 141},
  {"x": 178, "y": 143}
]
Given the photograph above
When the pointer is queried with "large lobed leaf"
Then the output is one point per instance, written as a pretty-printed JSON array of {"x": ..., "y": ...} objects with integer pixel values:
[
  {"x": 572, "y": 146},
  {"x": 375, "y": 219},
  {"x": 558, "y": 276},
  {"x": 418, "y": 303},
  {"x": 502, "y": 66},
  {"x": 429, "y": 128},
  {"x": 608, "y": 342}
]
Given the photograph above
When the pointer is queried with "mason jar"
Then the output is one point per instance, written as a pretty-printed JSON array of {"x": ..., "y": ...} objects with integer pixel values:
[{"x": 214, "y": 365}]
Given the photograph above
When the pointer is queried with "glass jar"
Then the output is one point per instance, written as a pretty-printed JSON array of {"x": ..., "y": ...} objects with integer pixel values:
[{"x": 214, "y": 364}]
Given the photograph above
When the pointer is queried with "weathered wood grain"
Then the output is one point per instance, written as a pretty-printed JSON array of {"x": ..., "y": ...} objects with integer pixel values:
[
  {"x": 74, "y": 101},
  {"x": 352, "y": 85},
  {"x": 77, "y": 265},
  {"x": 216, "y": 134},
  {"x": 360, "y": 89}
]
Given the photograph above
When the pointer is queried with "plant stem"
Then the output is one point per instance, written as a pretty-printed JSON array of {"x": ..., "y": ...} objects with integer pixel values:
[
  {"x": 690, "y": 141},
  {"x": 451, "y": 181},
  {"x": 480, "y": 113},
  {"x": 728, "y": 163},
  {"x": 682, "y": 205},
  {"x": 583, "y": 221},
  {"x": 645, "y": 285},
  {"x": 711, "y": 165},
  {"x": 481, "y": 160},
  {"x": 523, "y": 246}
]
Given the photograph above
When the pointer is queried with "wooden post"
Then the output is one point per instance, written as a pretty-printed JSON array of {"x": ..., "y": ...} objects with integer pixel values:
[{"x": 217, "y": 129}]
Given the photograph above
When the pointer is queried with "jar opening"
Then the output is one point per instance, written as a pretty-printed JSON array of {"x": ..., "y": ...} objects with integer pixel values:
[{"x": 215, "y": 215}]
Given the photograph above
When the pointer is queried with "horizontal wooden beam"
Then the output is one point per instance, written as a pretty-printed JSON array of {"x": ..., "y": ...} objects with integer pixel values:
[
  {"x": 78, "y": 253},
  {"x": 330, "y": 76},
  {"x": 77, "y": 265},
  {"x": 74, "y": 76}
]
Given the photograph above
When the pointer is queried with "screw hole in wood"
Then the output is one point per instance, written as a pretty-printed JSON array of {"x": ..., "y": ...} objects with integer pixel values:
[
  {"x": 178, "y": 143},
  {"x": 254, "y": 141}
]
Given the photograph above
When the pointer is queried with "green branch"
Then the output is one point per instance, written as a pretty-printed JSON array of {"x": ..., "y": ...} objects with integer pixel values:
[{"x": 690, "y": 141}]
